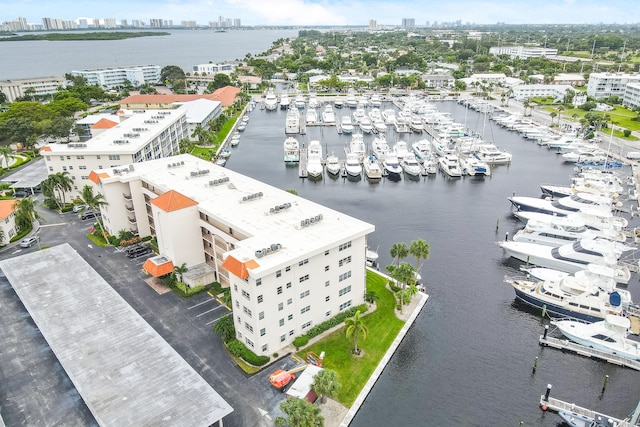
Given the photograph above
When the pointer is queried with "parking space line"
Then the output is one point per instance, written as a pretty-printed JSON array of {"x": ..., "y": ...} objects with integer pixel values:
[
  {"x": 296, "y": 358},
  {"x": 215, "y": 320},
  {"x": 200, "y": 303},
  {"x": 209, "y": 311}
]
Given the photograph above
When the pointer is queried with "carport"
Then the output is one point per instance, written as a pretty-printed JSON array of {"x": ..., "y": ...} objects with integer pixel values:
[{"x": 29, "y": 177}]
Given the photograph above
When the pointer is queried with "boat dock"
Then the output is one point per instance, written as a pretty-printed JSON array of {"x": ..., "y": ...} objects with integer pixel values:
[
  {"x": 565, "y": 344},
  {"x": 548, "y": 403},
  {"x": 302, "y": 164}
]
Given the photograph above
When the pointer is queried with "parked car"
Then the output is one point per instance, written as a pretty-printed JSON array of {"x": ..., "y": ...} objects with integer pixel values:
[
  {"x": 26, "y": 243},
  {"x": 136, "y": 251},
  {"x": 78, "y": 208},
  {"x": 20, "y": 194},
  {"x": 89, "y": 215}
]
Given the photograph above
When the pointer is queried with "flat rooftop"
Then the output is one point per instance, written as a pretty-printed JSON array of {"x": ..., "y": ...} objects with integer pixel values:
[
  {"x": 29, "y": 176},
  {"x": 126, "y": 373}
]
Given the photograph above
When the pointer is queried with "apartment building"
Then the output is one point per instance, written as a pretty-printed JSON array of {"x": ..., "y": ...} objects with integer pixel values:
[
  {"x": 42, "y": 86},
  {"x": 631, "y": 98},
  {"x": 604, "y": 85},
  {"x": 8, "y": 220},
  {"x": 108, "y": 78},
  {"x": 524, "y": 92},
  {"x": 208, "y": 69},
  {"x": 523, "y": 52},
  {"x": 290, "y": 263},
  {"x": 144, "y": 136}
]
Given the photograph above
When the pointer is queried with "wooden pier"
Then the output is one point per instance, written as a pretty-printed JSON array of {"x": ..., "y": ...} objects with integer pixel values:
[
  {"x": 302, "y": 164},
  {"x": 565, "y": 344},
  {"x": 548, "y": 403}
]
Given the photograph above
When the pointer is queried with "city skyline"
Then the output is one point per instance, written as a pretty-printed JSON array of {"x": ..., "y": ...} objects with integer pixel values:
[{"x": 329, "y": 12}]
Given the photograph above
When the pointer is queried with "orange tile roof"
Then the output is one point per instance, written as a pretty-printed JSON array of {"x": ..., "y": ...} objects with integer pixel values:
[
  {"x": 173, "y": 201},
  {"x": 45, "y": 148},
  {"x": 104, "y": 124},
  {"x": 158, "y": 269},
  {"x": 95, "y": 177},
  {"x": 7, "y": 207},
  {"x": 239, "y": 268},
  {"x": 226, "y": 95}
]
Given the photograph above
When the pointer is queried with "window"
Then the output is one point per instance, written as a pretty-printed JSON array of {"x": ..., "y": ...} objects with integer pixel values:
[
  {"x": 281, "y": 322},
  {"x": 326, "y": 253},
  {"x": 261, "y": 315},
  {"x": 259, "y": 298},
  {"x": 248, "y": 327},
  {"x": 68, "y": 157},
  {"x": 235, "y": 288},
  {"x": 265, "y": 348},
  {"x": 303, "y": 262},
  {"x": 327, "y": 283},
  {"x": 280, "y": 306},
  {"x": 288, "y": 268},
  {"x": 289, "y": 301},
  {"x": 98, "y": 157},
  {"x": 327, "y": 298},
  {"x": 263, "y": 331},
  {"x": 306, "y": 325},
  {"x": 80, "y": 157},
  {"x": 282, "y": 338},
  {"x": 344, "y": 290},
  {"x": 344, "y": 246},
  {"x": 288, "y": 285},
  {"x": 114, "y": 157},
  {"x": 304, "y": 294},
  {"x": 278, "y": 273},
  {"x": 246, "y": 294},
  {"x": 326, "y": 268},
  {"x": 249, "y": 342},
  {"x": 305, "y": 309},
  {"x": 328, "y": 313},
  {"x": 303, "y": 278},
  {"x": 290, "y": 317},
  {"x": 291, "y": 332},
  {"x": 279, "y": 290},
  {"x": 50, "y": 168},
  {"x": 238, "y": 304},
  {"x": 345, "y": 305},
  {"x": 64, "y": 168},
  {"x": 246, "y": 311},
  {"x": 344, "y": 261},
  {"x": 344, "y": 276},
  {"x": 258, "y": 282}
]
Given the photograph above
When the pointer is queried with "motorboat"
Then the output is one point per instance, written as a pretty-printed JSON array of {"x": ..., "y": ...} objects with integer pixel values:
[
  {"x": 560, "y": 230},
  {"x": 371, "y": 256},
  {"x": 442, "y": 147},
  {"x": 292, "y": 121},
  {"x": 573, "y": 419},
  {"x": 376, "y": 101},
  {"x": 358, "y": 115},
  {"x": 401, "y": 125},
  {"x": 270, "y": 100},
  {"x": 584, "y": 157},
  {"x": 416, "y": 124},
  {"x": 365, "y": 125},
  {"x": 410, "y": 165},
  {"x": 220, "y": 161},
  {"x": 568, "y": 297},
  {"x": 291, "y": 150},
  {"x": 473, "y": 166},
  {"x": 313, "y": 100},
  {"x": 379, "y": 125},
  {"x": 312, "y": 116},
  {"x": 333, "y": 165},
  {"x": 352, "y": 165},
  {"x": 450, "y": 164},
  {"x": 242, "y": 126},
  {"x": 328, "y": 116},
  {"x": 235, "y": 140},
  {"x": 299, "y": 101},
  {"x": 400, "y": 149},
  {"x": 615, "y": 223},
  {"x": 580, "y": 202},
  {"x": 389, "y": 116},
  {"x": 371, "y": 168},
  {"x": 570, "y": 257},
  {"x": 492, "y": 154},
  {"x": 346, "y": 125},
  {"x": 430, "y": 165},
  {"x": 351, "y": 100},
  {"x": 602, "y": 276},
  {"x": 314, "y": 160},
  {"x": 392, "y": 166},
  {"x": 356, "y": 145},
  {"x": 285, "y": 102},
  {"x": 338, "y": 103},
  {"x": 225, "y": 153},
  {"x": 380, "y": 148},
  {"x": 422, "y": 149},
  {"x": 608, "y": 335}
]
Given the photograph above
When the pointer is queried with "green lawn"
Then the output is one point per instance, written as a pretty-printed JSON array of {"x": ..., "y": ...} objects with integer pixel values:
[
  {"x": 620, "y": 116},
  {"x": 383, "y": 327}
]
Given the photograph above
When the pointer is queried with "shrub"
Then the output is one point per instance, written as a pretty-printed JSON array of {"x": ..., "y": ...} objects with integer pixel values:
[
  {"x": 627, "y": 133},
  {"x": 240, "y": 350},
  {"x": 300, "y": 341},
  {"x": 336, "y": 320}
]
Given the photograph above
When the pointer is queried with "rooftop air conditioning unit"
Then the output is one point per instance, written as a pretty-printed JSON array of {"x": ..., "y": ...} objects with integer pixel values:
[{"x": 259, "y": 253}]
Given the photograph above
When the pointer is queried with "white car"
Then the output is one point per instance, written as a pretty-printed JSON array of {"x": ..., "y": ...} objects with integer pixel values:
[
  {"x": 78, "y": 208},
  {"x": 26, "y": 243}
]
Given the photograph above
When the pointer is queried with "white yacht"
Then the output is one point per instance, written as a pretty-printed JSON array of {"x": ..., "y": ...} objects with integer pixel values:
[
  {"x": 358, "y": 115},
  {"x": 392, "y": 166},
  {"x": 291, "y": 150},
  {"x": 380, "y": 148},
  {"x": 473, "y": 166},
  {"x": 558, "y": 231},
  {"x": 581, "y": 202},
  {"x": 356, "y": 145},
  {"x": 450, "y": 164},
  {"x": 313, "y": 100},
  {"x": 346, "y": 125},
  {"x": 312, "y": 116},
  {"x": 333, "y": 165},
  {"x": 422, "y": 149},
  {"x": 410, "y": 165},
  {"x": 400, "y": 149},
  {"x": 270, "y": 100},
  {"x": 299, "y": 101},
  {"x": 351, "y": 100},
  {"x": 389, "y": 116},
  {"x": 352, "y": 165},
  {"x": 376, "y": 100},
  {"x": 416, "y": 124},
  {"x": 401, "y": 125},
  {"x": 492, "y": 154},
  {"x": 314, "y": 160},
  {"x": 365, "y": 125},
  {"x": 292, "y": 121},
  {"x": 285, "y": 102},
  {"x": 615, "y": 223},
  {"x": 328, "y": 116},
  {"x": 372, "y": 168}
]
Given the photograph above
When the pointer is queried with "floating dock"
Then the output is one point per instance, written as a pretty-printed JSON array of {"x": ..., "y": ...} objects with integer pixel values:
[{"x": 302, "y": 164}]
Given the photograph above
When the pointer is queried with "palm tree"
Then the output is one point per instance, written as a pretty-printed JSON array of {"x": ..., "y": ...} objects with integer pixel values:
[
  {"x": 404, "y": 274},
  {"x": 398, "y": 252},
  {"x": 179, "y": 270},
  {"x": 325, "y": 383},
  {"x": 553, "y": 115},
  {"x": 26, "y": 213},
  {"x": 94, "y": 202},
  {"x": 63, "y": 183},
  {"x": 300, "y": 413},
  {"x": 7, "y": 153},
  {"x": 420, "y": 250},
  {"x": 355, "y": 329},
  {"x": 225, "y": 328},
  {"x": 527, "y": 105},
  {"x": 48, "y": 187}
]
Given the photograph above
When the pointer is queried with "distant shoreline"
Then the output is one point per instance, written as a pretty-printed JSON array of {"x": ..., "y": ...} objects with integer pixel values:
[{"x": 120, "y": 35}]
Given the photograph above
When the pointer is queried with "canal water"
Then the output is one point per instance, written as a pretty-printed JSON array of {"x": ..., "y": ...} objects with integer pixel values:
[{"x": 468, "y": 359}]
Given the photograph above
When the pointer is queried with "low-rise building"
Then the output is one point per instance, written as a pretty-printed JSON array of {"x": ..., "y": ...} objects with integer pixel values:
[
  {"x": 569, "y": 79},
  {"x": 8, "y": 220},
  {"x": 523, "y": 52},
  {"x": 524, "y": 92},
  {"x": 631, "y": 97},
  {"x": 108, "y": 78},
  {"x": 38, "y": 87},
  {"x": 142, "y": 137},
  {"x": 604, "y": 85},
  {"x": 290, "y": 263},
  {"x": 226, "y": 95},
  {"x": 212, "y": 69},
  {"x": 200, "y": 112},
  {"x": 438, "y": 80}
]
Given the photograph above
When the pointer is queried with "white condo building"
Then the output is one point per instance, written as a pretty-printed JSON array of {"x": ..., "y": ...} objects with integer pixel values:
[
  {"x": 209, "y": 69},
  {"x": 144, "y": 136},
  {"x": 523, "y": 52},
  {"x": 604, "y": 85},
  {"x": 524, "y": 92},
  {"x": 631, "y": 98},
  {"x": 41, "y": 86},
  {"x": 290, "y": 263},
  {"x": 108, "y": 78}
]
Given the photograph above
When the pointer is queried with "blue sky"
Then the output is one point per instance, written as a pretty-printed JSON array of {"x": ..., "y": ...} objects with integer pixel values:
[{"x": 333, "y": 12}]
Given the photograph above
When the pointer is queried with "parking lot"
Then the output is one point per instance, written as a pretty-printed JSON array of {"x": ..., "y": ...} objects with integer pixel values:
[{"x": 186, "y": 324}]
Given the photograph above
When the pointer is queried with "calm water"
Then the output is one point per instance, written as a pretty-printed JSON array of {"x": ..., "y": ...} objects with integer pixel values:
[
  {"x": 183, "y": 48},
  {"x": 468, "y": 359}
]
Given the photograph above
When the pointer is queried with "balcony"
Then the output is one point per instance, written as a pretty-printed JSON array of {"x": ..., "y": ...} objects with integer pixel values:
[
  {"x": 129, "y": 208},
  {"x": 126, "y": 196},
  {"x": 132, "y": 219}
]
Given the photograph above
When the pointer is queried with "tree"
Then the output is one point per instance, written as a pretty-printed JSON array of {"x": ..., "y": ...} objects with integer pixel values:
[
  {"x": 171, "y": 73},
  {"x": 94, "y": 202},
  {"x": 325, "y": 383},
  {"x": 405, "y": 275},
  {"x": 26, "y": 213},
  {"x": 420, "y": 250},
  {"x": 179, "y": 270},
  {"x": 3, "y": 98},
  {"x": 300, "y": 414},
  {"x": 219, "y": 80},
  {"x": 398, "y": 252},
  {"x": 553, "y": 115},
  {"x": 355, "y": 329},
  {"x": 225, "y": 328},
  {"x": 62, "y": 183},
  {"x": 7, "y": 153}
]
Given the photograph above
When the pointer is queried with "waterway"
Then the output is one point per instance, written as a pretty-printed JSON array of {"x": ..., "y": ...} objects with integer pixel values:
[
  {"x": 468, "y": 359},
  {"x": 184, "y": 48}
]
